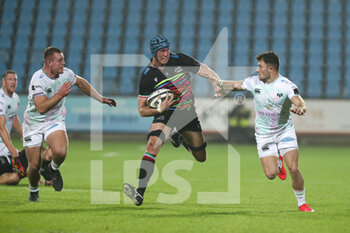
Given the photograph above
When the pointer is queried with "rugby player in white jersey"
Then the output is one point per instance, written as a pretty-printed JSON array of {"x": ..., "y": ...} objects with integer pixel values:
[
  {"x": 45, "y": 114},
  {"x": 9, "y": 102},
  {"x": 274, "y": 96}
]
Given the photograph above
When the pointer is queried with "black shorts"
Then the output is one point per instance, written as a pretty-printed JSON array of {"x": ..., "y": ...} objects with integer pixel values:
[
  {"x": 5, "y": 166},
  {"x": 183, "y": 120}
]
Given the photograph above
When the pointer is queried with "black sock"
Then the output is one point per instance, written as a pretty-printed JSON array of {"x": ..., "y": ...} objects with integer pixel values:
[{"x": 146, "y": 171}]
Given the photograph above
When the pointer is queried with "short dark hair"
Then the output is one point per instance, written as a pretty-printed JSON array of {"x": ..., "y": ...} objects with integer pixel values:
[
  {"x": 270, "y": 58},
  {"x": 8, "y": 72},
  {"x": 49, "y": 51}
]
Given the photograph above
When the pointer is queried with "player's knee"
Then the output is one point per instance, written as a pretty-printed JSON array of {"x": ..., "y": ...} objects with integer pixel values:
[
  {"x": 294, "y": 171},
  {"x": 13, "y": 179},
  {"x": 270, "y": 174},
  {"x": 60, "y": 152},
  {"x": 154, "y": 143},
  {"x": 34, "y": 167}
]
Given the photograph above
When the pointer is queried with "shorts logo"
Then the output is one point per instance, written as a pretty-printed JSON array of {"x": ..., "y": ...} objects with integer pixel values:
[
  {"x": 27, "y": 139},
  {"x": 287, "y": 139},
  {"x": 161, "y": 118},
  {"x": 296, "y": 91},
  {"x": 266, "y": 147}
]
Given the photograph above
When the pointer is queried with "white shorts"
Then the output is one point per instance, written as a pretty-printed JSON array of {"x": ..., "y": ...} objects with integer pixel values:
[
  {"x": 3, "y": 150},
  {"x": 277, "y": 144},
  {"x": 33, "y": 136}
]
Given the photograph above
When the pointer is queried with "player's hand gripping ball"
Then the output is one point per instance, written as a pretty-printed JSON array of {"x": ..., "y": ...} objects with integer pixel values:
[{"x": 158, "y": 96}]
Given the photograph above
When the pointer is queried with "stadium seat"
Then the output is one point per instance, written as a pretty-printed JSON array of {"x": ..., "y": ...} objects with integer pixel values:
[
  {"x": 333, "y": 82},
  {"x": 314, "y": 82}
]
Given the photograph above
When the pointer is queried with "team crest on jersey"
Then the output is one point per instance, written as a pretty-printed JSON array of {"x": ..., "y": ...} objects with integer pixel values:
[
  {"x": 280, "y": 95},
  {"x": 178, "y": 69}
]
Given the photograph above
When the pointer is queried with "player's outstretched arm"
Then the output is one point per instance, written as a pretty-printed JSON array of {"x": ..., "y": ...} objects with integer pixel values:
[
  {"x": 208, "y": 73},
  {"x": 88, "y": 90},
  {"x": 226, "y": 86},
  {"x": 5, "y": 136},
  {"x": 300, "y": 106}
]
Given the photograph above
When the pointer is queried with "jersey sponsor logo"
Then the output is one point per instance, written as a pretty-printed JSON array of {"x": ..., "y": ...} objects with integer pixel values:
[
  {"x": 265, "y": 147},
  {"x": 178, "y": 69},
  {"x": 257, "y": 90},
  {"x": 296, "y": 91},
  {"x": 27, "y": 139},
  {"x": 279, "y": 95}
]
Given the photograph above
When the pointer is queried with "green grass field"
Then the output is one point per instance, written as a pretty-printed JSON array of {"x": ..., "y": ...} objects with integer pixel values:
[{"x": 265, "y": 206}]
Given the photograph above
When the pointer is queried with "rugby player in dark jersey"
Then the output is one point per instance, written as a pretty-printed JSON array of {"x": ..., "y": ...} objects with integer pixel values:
[
  {"x": 12, "y": 170},
  {"x": 171, "y": 71}
]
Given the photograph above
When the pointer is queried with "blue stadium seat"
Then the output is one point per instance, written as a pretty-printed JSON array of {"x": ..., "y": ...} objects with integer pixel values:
[
  {"x": 279, "y": 30},
  {"x": 112, "y": 45},
  {"x": 127, "y": 81},
  {"x": 5, "y": 41},
  {"x": 58, "y": 41},
  {"x": 298, "y": 12},
  {"x": 40, "y": 42},
  {"x": 260, "y": 45},
  {"x": 315, "y": 81},
  {"x": 242, "y": 30},
  {"x": 315, "y": 57},
  {"x": 96, "y": 29},
  {"x": 189, "y": 5},
  {"x": 186, "y": 44},
  {"x": 42, "y": 27},
  {"x": 333, "y": 82},
  {"x": 131, "y": 45},
  {"x": 296, "y": 75},
  {"x": 315, "y": 45}
]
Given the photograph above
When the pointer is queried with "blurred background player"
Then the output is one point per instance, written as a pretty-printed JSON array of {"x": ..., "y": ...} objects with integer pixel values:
[
  {"x": 45, "y": 114},
  {"x": 274, "y": 129},
  {"x": 13, "y": 164},
  {"x": 171, "y": 71},
  {"x": 9, "y": 102},
  {"x": 12, "y": 170}
]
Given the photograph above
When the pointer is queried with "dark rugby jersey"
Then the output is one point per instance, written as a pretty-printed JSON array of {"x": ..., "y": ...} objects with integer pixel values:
[{"x": 175, "y": 75}]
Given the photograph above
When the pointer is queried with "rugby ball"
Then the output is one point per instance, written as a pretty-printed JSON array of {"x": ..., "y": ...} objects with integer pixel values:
[{"x": 156, "y": 97}]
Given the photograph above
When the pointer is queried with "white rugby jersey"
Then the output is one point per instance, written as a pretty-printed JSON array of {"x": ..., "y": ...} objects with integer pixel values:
[
  {"x": 272, "y": 103},
  {"x": 42, "y": 84},
  {"x": 8, "y": 108}
]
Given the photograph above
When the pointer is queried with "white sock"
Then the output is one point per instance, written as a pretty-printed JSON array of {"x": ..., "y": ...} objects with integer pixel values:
[
  {"x": 300, "y": 195},
  {"x": 54, "y": 166},
  {"x": 34, "y": 189}
]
